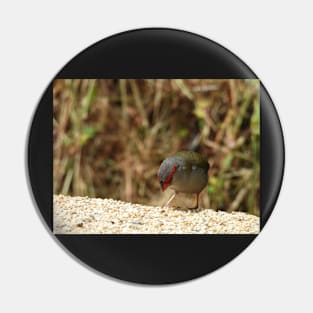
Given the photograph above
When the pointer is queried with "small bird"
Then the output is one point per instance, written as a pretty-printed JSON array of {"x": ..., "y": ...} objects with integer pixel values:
[{"x": 185, "y": 172}]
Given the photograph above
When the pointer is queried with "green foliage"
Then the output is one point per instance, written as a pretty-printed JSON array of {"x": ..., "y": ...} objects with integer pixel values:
[{"x": 111, "y": 135}]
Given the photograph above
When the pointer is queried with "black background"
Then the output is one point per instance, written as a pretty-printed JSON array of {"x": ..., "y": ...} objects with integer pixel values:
[{"x": 154, "y": 53}]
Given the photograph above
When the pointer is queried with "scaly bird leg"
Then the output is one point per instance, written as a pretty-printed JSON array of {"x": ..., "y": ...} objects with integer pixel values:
[
  {"x": 170, "y": 199},
  {"x": 197, "y": 202}
]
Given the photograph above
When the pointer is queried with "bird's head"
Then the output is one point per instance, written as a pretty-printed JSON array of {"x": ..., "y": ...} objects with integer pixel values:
[{"x": 166, "y": 173}]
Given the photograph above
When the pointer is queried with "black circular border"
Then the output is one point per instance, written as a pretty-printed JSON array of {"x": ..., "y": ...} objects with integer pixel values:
[{"x": 154, "y": 53}]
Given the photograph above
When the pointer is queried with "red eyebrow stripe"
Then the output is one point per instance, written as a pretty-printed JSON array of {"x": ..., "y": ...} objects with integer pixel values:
[{"x": 169, "y": 177}]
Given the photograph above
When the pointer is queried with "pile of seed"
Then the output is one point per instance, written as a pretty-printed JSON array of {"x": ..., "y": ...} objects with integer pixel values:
[{"x": 83, "y": 215}]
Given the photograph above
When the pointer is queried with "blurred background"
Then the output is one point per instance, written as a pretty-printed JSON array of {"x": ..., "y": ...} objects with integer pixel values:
[{"x": 111, "y": 135}]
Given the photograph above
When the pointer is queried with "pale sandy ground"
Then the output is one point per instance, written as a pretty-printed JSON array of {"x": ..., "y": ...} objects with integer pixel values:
[{"x": 83, "y": 215}]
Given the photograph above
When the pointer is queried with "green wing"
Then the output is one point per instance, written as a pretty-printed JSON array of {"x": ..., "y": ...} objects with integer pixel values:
[{"x": 192, "y": 157}]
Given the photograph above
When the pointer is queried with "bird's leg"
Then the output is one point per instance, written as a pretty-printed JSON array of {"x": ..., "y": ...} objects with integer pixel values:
[
  {"x": 197, "y": 202},
  {"x": 170, "y": 199}
]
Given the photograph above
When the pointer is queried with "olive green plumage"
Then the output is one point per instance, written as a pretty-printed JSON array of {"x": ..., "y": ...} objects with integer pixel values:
[{"x": 192, "y": 158}]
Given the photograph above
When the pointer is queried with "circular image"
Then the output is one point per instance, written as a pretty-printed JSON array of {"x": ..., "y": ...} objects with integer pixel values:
[{"x": 148, "y": 159}]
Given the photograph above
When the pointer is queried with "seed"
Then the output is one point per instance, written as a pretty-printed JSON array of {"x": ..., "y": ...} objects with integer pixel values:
[{"x": 83, "y": 215}]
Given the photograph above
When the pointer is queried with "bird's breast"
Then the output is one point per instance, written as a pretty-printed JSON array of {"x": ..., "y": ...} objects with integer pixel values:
[{"x": 190, "y": 179}]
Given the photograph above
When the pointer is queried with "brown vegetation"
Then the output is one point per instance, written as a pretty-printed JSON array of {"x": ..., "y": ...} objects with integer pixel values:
[{"x": 111, "y": 135}]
